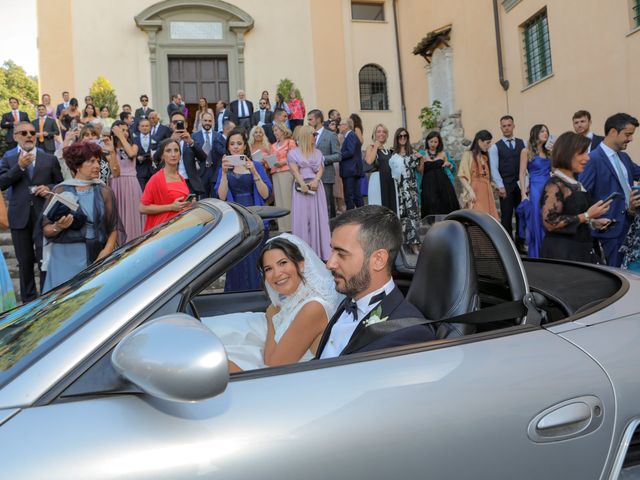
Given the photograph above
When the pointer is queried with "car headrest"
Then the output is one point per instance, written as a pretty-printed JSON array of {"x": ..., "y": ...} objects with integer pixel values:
[
  {"x": 496, "y": 259},
  {"x": 445, "y": 282}
]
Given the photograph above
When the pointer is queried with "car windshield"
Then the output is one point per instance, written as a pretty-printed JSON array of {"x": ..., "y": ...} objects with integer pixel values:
[{"x": 29, "y": 331}]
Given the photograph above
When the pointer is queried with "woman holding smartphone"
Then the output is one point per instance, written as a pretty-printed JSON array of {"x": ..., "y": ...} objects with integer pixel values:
[
  {"x": 246, "y": 182},
  {"x": 166, "y": 193}
]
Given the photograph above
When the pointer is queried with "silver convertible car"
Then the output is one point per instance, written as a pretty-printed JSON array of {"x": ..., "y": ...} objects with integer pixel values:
[{"x": 113, "y": 376}]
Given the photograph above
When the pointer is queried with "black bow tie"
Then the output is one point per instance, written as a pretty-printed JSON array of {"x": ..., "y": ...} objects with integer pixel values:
[{"x": 352, "y": 307}]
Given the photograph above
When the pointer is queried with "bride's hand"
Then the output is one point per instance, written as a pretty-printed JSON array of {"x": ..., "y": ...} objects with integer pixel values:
[{"x": 272, "y": 310}]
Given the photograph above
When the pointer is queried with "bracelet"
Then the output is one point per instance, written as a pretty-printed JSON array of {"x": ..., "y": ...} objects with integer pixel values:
[
  {"x": 586, "y": 217},
  {"x": 259, "y": 179}
]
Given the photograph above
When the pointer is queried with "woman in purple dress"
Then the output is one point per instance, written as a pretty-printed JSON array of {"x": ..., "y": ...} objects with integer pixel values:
[
  {"x": 310, "y": 219},
  {"x": 126, "y": 186}
]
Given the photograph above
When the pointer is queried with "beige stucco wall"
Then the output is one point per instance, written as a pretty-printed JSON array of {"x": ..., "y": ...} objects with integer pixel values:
[{"x": 595, "y": 63}]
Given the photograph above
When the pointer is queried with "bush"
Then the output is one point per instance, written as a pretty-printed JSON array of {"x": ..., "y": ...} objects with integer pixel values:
[
  {"x": 104, "y": 94},
  {"x": 285, "y": 87},
  {"x": 429, "y": 116}
]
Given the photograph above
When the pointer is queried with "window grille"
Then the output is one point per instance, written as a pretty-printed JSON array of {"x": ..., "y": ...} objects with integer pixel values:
[
  {"x": 635, "y": 13},
  {"x": 373, "y": 88},
  {"x": 537, "y": 48}
]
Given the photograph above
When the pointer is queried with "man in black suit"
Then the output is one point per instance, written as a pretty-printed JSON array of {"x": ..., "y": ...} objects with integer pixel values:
[
  {"x": 351, "y": 166},
  {"x": 262, "y": 115},
  {"x": 28, "y": 175},
  {"x": 176, "y": 105},
  {"x": 279, "y": 116},
  {"x": 145, "y": 168},
  {"x": 364, "y": 244},
  {"x": 192, "y": 157},
  {"x": 12, "y": 118},
  {"x": 223, "y": 114},
  {"x": 327, "y": 143},
  {"x": 144, "y": 110},
  {"x": 242, "y": 110},
  {"x": 64, "y": 105},
  {"x": 582, "y": 126},
  {"x": 205, "y": 138},
  {"x": 47, "y": 129},
  {"x": 158, "y": 131},
  {"x": 218, "y": 151}
]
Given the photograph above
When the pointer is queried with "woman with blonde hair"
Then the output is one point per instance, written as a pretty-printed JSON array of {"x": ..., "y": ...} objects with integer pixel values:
[
  {"x": 258, "y": 142},
  {"x": 382, "y": 189},
  {"x": 310, "y": 218},
  {"x": 280, "y": 174}
]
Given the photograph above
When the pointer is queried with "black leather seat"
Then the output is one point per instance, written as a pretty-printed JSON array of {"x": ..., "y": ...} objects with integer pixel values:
[{"x": 445, "y": 281}]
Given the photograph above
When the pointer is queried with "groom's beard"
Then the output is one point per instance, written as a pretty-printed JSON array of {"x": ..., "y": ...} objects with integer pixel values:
[{"x": 356, "y": 284}]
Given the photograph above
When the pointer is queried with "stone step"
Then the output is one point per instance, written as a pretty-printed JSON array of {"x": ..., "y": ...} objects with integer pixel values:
[{"x": 5, "y": 239}]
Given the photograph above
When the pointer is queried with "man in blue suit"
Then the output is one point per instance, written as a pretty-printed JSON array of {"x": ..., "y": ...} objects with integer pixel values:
[
  {"x": 365, "y": 243},
  {"x": 351, "y": 166},
  {"x": 611, "y": 170},
  {"x": 158, "y": 131},
  {"x": 64, "y": 105},
  {"x": 205, "y": 138}
]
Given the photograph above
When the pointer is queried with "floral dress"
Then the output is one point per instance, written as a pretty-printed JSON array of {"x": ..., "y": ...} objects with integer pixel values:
[{"x": 403, "y": 171}]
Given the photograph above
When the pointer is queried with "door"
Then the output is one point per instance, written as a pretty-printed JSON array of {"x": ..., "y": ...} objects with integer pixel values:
[
  {"x": 461, "y": 411},
  {"x": 195, "y": 77}
]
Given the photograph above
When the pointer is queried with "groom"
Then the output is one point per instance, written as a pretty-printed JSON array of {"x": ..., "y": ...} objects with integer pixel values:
[{"x": 365, "y": 242}]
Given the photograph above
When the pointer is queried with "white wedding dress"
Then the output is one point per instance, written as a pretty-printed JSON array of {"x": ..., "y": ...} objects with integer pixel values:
[{"x": 244, "y": 334}]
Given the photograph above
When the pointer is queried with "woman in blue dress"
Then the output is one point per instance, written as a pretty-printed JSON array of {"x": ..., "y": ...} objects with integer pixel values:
[
  {"x": 7, "y": 295},
  {"x": 534, "y": 160},
  {"x": 247, "y": 184}
]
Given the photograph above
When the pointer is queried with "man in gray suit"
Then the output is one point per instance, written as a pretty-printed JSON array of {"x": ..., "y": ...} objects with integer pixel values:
[{"x": 327, "y": 143}]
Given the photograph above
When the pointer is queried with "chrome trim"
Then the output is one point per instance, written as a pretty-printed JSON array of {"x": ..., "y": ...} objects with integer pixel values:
[
  {"x": 622, "y": 450},
  {"x": 34, "y": 382}
]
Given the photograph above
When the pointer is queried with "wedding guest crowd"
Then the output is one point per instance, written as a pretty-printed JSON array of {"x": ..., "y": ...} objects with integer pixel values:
[{"x": 571, "y": 198}]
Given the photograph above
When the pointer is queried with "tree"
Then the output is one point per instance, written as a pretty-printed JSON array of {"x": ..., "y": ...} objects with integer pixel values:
[
  {"x": 104, "y": 94},
  {"x": 285, "y": 87},
  {"x": 14, "y": 82}
]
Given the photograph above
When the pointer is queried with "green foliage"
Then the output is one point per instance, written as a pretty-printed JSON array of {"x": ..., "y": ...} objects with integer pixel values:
[
  {"x": 429, "y": 116},
  {"x": 285, "y": 87},
  {"x": 103, "y": 94},
  {"x": 14, "y": 82}
]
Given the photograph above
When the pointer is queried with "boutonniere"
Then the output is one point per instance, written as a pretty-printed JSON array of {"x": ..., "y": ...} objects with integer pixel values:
[{"x": 374, "y": 317}]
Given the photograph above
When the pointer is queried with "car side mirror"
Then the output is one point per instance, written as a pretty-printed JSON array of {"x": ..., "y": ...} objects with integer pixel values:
[{"x": 175, "y": 358}]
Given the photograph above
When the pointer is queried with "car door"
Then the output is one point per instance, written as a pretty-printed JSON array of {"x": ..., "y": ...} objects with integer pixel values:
[{"x": 461, "y": 409}]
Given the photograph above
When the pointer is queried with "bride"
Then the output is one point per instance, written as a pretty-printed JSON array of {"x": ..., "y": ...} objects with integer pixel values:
[{"x": 303, "y": 299}]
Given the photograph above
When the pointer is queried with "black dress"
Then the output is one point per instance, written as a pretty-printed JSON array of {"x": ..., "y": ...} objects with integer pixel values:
[
  {"x": 387, "y": 186},
  {"x": 566, "y": 238},
  {"x": 438, "y": 195}
]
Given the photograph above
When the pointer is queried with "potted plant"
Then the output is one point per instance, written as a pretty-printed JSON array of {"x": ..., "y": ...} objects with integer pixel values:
[{"x": 429, "y": 116}]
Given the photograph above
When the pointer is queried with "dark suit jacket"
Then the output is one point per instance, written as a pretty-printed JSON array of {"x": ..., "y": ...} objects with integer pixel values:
[
  {"x": 59, "y": 109},
  {"x": 595, "y": 141},
  {"x": 233, "y": 106},
  {"x": 600, "y": 180},
  {"x": 268, "y": 131},
  {"x": 351, "y": 163},
  {"x": 144, "y": 169},
  {"x": 375, "y": 337},
  {"x": 8, "y": 121},
  {"x": 226, "y": 115},
  {"x": 51, "y": 127},
  {"x": 162, "y": 132},
  {"x": 191, "y": 155},
  {"x": 140, "y": 113},
  {"x": 255, "y": 118},
  {"x": 45, "y": 172}
]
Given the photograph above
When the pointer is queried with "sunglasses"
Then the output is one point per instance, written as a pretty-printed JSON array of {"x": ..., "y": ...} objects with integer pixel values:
[
  {"x": 403, "y": 135},
  {"x": 24, "y": 133}
]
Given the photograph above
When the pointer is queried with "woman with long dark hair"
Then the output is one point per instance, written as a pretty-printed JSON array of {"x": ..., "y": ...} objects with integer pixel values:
[
  {"x": 475, "y": 176},
  {"x": 437, "y": 194},
  {"x": 404, "y": 163},
  {"x": 203, "y": 107},
  {"x": 534, "y": 160},
  {"x": 568, "y": 213}
]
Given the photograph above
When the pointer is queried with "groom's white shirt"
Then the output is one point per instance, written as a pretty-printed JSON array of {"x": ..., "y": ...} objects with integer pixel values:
[{"x": 344, "y": 327}]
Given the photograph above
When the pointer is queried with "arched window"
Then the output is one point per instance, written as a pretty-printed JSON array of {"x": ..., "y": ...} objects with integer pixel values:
[{"x": 373, "y": 88}]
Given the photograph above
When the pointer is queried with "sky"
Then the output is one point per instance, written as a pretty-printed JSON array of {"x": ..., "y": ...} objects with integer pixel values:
[{"x": 18, "y": 24}]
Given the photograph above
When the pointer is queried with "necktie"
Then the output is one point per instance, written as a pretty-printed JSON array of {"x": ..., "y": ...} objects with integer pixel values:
[
  {"x": 153, "y": 130},
  {"x": 145, "y": 142},
  {"x": 207, "y": 143},
  {"x": 621, "y": 178},
  {"x": 16, "y": 117},
  {"x": 351, "y": 307},
  {"x": 262, "y": 114},
  {"x": 41, "y": 132},
  {"x": 242, "y": 114},
  {"x": 511, "y": 145}
]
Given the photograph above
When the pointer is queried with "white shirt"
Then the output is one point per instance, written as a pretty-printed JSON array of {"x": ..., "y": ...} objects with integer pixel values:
[
  {"x": 181, "y": 168},
  {"x": 144, "y": 141},
  {"x": 494, "y": 161},
  {"x": 319, "y": 132},
  {"x": 220, "y": 122},
  {"x": 589, "y": 135},
  {"x": 617, "y": 165},
  {"x": 343, "y": 329},
  {"x": 35, "y": 156}
]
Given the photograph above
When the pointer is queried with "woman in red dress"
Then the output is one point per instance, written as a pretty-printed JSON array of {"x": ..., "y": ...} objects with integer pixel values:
[{"x": 165, "y": 195}]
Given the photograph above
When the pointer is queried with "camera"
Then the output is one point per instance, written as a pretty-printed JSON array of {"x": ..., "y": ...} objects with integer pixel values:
[{"x": 180, "y": 125}]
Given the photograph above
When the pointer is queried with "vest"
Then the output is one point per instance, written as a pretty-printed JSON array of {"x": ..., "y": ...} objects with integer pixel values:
[{"x": 509, "y": 161}]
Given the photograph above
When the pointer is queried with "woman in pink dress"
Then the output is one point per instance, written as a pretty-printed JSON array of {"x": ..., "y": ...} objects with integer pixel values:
[
  {"x": 310, "y": 218},
  {"x": 298, "y": 111},
  {"x": 126, "y": 186},
  {"x": 280, "y": 174}
]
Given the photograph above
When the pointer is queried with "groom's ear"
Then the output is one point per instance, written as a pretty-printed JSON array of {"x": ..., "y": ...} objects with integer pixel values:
[{"x": 379, "y": 260}]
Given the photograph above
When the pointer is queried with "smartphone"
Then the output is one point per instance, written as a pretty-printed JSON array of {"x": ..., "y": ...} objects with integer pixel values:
[
  {"x": 236, "y": 160},
  {"x": 190, "y": 197},
  {"x": 612, "y": 196},
  {"x": 179, "y": 124}
]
